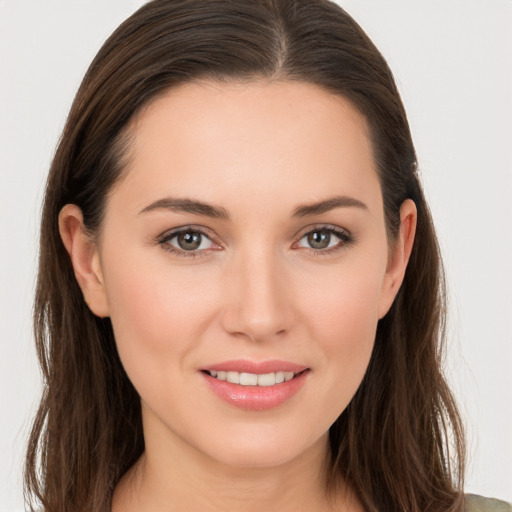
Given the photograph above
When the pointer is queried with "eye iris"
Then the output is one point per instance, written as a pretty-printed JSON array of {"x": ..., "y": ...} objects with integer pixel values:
[
  {"x": 319, "y": 239},
  {"x": 189, "y": 240}
]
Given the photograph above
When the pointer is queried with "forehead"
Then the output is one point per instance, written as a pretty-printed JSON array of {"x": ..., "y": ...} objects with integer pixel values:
[{"x": 285, "y": 141}]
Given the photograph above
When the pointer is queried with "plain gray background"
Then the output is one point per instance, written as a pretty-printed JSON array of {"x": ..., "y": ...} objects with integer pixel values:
[{"x": 452, "y": 62}]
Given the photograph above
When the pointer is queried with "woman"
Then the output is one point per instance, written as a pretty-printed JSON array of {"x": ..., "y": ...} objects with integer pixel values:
[{"x": 242, "y": 306}]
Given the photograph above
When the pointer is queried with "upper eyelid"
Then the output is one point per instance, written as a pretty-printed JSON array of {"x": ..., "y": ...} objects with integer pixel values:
[
  {"x": 329, "y": 227},
  {"x": 205, "y": 230},
  {"x": 170, "y": 233}
]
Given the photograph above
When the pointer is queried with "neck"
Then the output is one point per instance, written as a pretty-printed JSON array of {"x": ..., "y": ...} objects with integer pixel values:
[{"x": 172, "y": 475}]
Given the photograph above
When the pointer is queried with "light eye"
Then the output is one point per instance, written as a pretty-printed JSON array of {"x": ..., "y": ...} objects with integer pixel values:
[
  {"x": 189, "y": 240},
  {"x": 323, "y": 238}
]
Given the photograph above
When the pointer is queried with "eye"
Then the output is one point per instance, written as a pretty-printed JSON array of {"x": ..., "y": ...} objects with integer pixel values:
[
  {"x": 187, "y": 242},
  {"x": 190, "y": 241},
  {"x": 322, "y": 238}
]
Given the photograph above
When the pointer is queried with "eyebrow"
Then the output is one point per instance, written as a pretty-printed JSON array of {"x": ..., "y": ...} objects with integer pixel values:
[
  {"x": 178, "y": 205},
  {"x": 193, "y": 206},
  {"x": 328, "y": 205}
]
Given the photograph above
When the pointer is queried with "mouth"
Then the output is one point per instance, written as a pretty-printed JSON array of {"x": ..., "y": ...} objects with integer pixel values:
[
  {"x": 253, "y": 379},
  {"x": 256, "y": 386}
]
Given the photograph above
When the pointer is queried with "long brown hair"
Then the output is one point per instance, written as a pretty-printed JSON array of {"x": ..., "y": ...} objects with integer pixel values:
[{"x": 400, "y": 441}]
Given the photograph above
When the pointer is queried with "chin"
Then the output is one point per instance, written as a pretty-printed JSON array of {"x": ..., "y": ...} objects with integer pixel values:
[
  {"x": 256, "y": 458},
  {"x": 265, "y": 451}
]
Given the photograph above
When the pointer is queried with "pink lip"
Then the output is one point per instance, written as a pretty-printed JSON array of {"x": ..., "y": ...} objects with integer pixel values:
[
  {"x": 256, "y": 398},
  {"x": 259, "y": 367}
]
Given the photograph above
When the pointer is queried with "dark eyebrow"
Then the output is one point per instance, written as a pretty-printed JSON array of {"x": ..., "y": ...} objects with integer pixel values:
[
  {"x": 188, "y": 205},
  {"x": 218, "y": 212},
  {"x": 327, "y": 205}
]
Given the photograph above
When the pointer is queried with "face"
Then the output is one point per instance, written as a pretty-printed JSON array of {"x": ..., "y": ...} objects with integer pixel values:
[{"x": 246, "y": 241}]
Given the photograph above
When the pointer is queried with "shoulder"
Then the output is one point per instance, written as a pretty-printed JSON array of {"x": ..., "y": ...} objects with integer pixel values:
[{"x": 474, "y": 503}]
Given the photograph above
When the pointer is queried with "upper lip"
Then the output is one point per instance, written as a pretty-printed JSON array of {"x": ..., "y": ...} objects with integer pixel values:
[{"x": 257, "y": 367}]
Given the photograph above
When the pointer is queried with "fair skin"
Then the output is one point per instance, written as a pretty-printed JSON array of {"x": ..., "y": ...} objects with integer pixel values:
[{"x": 273, "y": 279}]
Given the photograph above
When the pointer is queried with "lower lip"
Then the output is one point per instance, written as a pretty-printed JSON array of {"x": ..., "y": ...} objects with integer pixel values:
[{"x": 256, "y": 398}]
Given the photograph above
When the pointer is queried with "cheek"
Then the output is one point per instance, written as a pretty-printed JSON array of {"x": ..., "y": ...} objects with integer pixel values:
[
  {"x": 157, "y": 315},
  {"x": 343, "y": 320},
  {"x": 345, "y": 302}
]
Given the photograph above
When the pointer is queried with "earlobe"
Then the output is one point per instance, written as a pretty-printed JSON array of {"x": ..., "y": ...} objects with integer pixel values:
[
  {"x": 399, "y": 258},
  {"x": 84, "y": 255}
]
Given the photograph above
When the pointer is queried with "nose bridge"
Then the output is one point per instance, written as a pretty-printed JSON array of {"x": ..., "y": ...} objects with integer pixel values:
[{"x": 258, "y": 300}]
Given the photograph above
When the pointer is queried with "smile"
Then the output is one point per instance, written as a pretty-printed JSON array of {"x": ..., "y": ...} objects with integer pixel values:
[
  {"x": 253, "y": 379},
  {"x": 255, "y": 386}
]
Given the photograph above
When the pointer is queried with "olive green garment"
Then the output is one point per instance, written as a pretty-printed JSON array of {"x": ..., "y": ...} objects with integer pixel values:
[{"x": 474, "y": 503}]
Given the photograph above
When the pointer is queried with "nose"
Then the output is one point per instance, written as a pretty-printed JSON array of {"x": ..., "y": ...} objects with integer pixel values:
[{"x": 258, "y": 299}]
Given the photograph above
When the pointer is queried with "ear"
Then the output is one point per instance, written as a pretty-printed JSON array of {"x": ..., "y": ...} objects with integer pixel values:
[
  {"x": 399, "y": 257},
  {"x": 85, "y": 259}
]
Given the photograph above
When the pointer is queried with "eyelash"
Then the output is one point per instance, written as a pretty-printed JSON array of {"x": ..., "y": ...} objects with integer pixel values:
[
  {"x": 345, "y": 239},
  {"x": 164, "y": 241}
]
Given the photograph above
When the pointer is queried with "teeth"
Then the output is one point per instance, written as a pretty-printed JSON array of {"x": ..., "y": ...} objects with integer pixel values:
[
  {"x": 267, "y": 379},
  {"x": 248, "y": 379},
  {"x": 253, "y": 379},
  {"x": 233, "y": 377}
]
